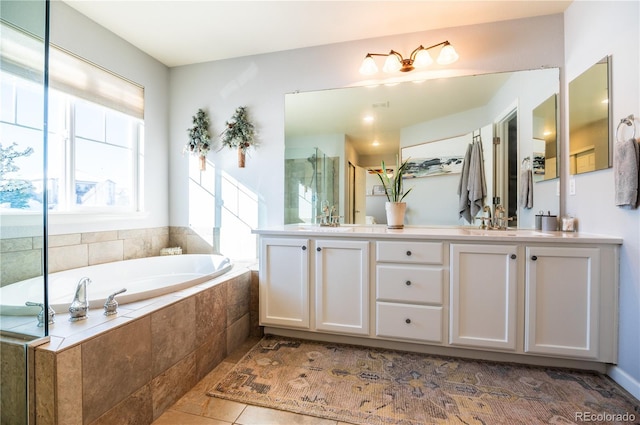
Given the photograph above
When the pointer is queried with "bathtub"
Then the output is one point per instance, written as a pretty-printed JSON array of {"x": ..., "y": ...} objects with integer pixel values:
[{"x": 142, "y": 278}]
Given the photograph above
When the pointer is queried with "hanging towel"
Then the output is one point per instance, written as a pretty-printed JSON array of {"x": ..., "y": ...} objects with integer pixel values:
[
  {"x": 626, "y": 159},
  {"x": 525, "y": 195},
  {"x": 477, "y": 185},
  {"x": 464, "y": 209}
]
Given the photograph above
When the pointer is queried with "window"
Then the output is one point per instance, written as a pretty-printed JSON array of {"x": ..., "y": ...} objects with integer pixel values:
[
  {"x": 95, "y": 135},
  {"x": 93, "y": 154}
]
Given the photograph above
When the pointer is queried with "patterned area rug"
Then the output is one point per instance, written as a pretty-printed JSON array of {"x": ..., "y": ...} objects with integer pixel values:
[{"x": 374, "y": 387}]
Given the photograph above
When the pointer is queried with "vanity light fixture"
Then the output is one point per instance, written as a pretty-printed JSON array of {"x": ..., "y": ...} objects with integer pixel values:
[{"x": 419, "y": 58}]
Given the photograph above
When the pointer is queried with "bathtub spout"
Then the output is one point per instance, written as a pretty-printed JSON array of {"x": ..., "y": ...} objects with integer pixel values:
[{"x": 79, "y": 307}]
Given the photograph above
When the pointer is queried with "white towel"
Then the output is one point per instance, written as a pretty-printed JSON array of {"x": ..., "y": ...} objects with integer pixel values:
[
  {"x": 464, "y": 209},
  {"x": 477, "y": 185},
  {"x": 525, "y": 195},
  {"x": 626, "y": 159}
]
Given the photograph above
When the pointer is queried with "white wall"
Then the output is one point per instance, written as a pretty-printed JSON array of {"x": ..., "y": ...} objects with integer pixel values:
[
  {"x": 594, "y": 30},
  {"x": 76, "y": 33}
]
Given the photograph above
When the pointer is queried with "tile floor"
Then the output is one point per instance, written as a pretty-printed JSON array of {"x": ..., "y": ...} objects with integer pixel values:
[{"x": 197, "y": 408}]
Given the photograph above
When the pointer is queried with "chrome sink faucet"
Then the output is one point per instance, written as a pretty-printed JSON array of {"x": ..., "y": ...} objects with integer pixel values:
[
  {"x": 79, "y": 307},
  {"x": 497, "y": 220}
]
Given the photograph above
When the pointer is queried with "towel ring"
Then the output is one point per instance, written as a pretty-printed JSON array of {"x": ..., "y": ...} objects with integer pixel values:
[{"x": 629, "y": 121}]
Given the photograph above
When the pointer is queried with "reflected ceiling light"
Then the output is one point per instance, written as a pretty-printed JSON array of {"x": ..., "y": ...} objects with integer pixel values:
[
  {"x": 368, "y": 119},
  {"x": 419, "y": 58}
]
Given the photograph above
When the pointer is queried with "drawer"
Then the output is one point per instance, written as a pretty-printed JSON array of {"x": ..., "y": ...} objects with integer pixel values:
[
  {"x": 408, "y": 283},
  {"x": 403, "y": 321},
  {"x": 409, "y": 252}
]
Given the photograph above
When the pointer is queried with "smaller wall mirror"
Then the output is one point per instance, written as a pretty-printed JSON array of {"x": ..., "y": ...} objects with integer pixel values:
[
  {"x": 545, "y": 140},
  {"x": 589, "y": 120}
]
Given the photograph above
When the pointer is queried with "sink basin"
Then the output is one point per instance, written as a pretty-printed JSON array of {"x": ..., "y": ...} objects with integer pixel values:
[
  {"x": 328, "y": 229},
  {"x": 504, "y": 233}
]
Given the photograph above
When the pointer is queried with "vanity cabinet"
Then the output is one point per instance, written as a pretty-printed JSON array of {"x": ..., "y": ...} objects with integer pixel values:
[
  {"x": 563, "y": 301},
  {"x": 342, "y": 286},
  {"x": 284, "y": 282},
  {"x": 331, "y": 286},
  {"x": 409, "y": 290},
  {"x": 483, "y": 303},
  {"x": 551, "y": 297}
]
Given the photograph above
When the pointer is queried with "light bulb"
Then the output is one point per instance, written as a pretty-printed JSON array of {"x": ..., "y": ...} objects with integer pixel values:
[
  {"x": 392, "y": 64},
  {"x": 368, "y": 66},
  {"x": 448, "y": 55},
  {"x": 423, "y": 59}
]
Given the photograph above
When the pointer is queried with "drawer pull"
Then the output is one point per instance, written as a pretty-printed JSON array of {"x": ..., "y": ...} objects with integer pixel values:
[
  {"x": 408, "y": 283},
  {"x": 407, "y": 321},
  {"x": 318, "y": 249},
  {"x": 513, "y": 256},
  {"x": 534, "y": 258},
  {"x": 408, "y": 253},
  {"x": 304, "y": 248}
]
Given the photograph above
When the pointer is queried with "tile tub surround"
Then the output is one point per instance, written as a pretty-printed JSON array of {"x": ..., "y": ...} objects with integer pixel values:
[{"x": 131, "y": 367}]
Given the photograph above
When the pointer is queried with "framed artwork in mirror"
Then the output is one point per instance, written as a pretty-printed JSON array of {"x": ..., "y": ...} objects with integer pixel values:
[{"x": 436, "y": 158}]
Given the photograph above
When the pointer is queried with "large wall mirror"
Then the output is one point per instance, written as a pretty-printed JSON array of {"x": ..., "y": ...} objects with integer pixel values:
[
  {"x": 589, "y": 120},
  {"x": 335, "y": 139}
]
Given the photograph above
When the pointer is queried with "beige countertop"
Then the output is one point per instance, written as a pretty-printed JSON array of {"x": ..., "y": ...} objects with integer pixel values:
[{"x": 459, "y": 233}]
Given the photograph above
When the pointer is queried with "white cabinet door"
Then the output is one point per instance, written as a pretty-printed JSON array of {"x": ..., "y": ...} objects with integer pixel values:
[
  {"x": 342, "y": 286},
  {"x": 284, "y": 282},
  {"x": 483, "y": 298},
  {"x": 562, "y": 299}
]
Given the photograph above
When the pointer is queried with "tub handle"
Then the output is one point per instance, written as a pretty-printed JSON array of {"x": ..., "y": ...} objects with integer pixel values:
[
  {"x": 50, "y": 313},
  {"x": 111, "y": 305}
]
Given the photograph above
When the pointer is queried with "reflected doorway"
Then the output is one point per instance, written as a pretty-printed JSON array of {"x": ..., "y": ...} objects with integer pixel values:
[{"x": 506, "y": 153}]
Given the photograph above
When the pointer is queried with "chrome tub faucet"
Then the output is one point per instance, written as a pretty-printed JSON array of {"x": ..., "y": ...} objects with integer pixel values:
[
  {"x": 111, "y": 305},
  {"x": 79, "y": 307}
]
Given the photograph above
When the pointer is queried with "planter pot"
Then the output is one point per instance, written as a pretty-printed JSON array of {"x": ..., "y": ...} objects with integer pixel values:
[{"x": 395, "y": 214}]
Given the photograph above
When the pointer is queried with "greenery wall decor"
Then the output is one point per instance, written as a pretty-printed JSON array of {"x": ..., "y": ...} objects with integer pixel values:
[
  {"x": 199, "y": 142},
  {"x": 239, "y": 134}
]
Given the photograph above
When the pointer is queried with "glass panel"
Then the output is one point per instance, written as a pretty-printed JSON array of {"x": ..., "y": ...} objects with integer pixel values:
[
  {"x": 310, "y": 184},
  {"x": 103, "y": 174},
  {"x": 22, "y": 211},
  {"x": 413, "y": 113},
  {"x": 589, "y": 124}
]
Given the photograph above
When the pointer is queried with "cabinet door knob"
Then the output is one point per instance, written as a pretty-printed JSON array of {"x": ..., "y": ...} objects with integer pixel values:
[
  {"x": 534, "y": 258},
  {"x": 513, "y": 256},
  {"x": 409, "y": 253},
  {"x": 304, "y": 248},
  {"x": 407, "y": 321},
  {"x": 318, "y": 249},
  {"x": 408, "y": 283}
]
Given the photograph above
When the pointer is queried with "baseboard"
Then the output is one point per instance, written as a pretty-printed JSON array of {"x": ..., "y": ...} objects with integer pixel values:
[{"x": 625, "y": 380}]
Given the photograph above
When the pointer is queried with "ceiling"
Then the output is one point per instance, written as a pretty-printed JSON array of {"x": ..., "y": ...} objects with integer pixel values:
[{"x": 181, "y": 32}]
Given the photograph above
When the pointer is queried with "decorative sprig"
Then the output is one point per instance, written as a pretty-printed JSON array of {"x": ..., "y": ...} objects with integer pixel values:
[
  {"x": 199, "y": 140},
  {"x": 239, "y": 132}
]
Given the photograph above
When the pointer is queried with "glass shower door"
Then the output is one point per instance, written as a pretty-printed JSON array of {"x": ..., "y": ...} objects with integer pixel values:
[
  {"x": 23, "y": 112},
  {"x": 310, "y": 183}
]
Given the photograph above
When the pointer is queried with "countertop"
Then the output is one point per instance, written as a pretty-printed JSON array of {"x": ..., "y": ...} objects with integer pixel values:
[{"x": 460, "y": 233}]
